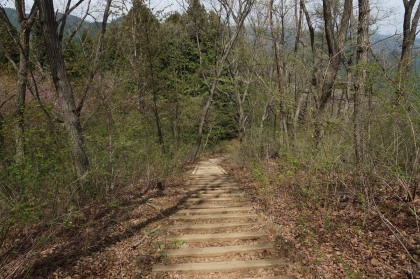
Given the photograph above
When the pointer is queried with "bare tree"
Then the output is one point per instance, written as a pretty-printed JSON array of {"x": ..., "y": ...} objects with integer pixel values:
[
  {"x": 241, "y": 80},
  {"x": 311, "y": 36},
  {"x": 23, "y": 36},
  {"x": 280, "y": 71},
  {"x": 335, "y": 42},
  {"x": 238, "y": 11},
  {"x": 360, "y": 88},
  {"x": 98, "y": 54},
  {"x": 63, "y": 86},
  {"x": 409, "y": 35}
]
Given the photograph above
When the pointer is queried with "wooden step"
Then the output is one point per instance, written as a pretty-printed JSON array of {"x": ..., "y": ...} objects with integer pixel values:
[
  {"x": 201, "y": 176},
  {"x": 219, "y": 251},
  {"x": 211, "y": 205},
  {"x": 214, "y": 185},
  {"x": 214, "y": 177},
  {"x": 274, "y": 277},
  {"x": 212, "y": 199},
  {"x": 215, "y": 192},
  {"x": 214, "y": 216},
  {"x": 222, "y": 192},
  {"x": 213, "y": 182},
  {"x": 212, "y": 226},
  {"x": 220, "y": 266},
  {"x": 217, "y": 195},
  {"x": 225, "y": 179},
  {"x": 217, "y": 236},
  {"x": 215, "y": 210}
]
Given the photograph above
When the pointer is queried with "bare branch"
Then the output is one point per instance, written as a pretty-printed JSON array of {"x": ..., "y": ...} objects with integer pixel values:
[
  {"x": 76, "y": 30},
  {"x": 99, "y": 50},
  {"x": 69, "y": 11},
  {"x": 63, "y": 22}
]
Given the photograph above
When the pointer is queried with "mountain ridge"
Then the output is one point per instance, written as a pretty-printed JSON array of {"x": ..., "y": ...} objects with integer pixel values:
[{"x": 72, "y": 22}]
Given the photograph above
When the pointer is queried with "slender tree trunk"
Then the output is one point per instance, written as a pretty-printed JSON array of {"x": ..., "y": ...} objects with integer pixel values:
[
  {"x": 264, "y": 115},
  {"x": 153, "y": 83},
  {"x": 155, "y": 100},
  {"x": 1, "y": 135},
  {"x": 297, "y": 101},
  {"x": 360, "y": 89},
  {"x": 21, "y": 94},
  {"x": 158, "y": 124},
  {"x": 203, "y": 116},
  {"x": 63, "y": 86},
  {"x": 335, "y": 44},
  {"x": 26, "y": 22},
  {"x": 335, "y": 47},
  {"x": 280, "y": 75},
  {"x": 409, "y": 35},
  {"x": 176, "y": 123},
  {"x": 244, "y": 10},
  {"x": 312, "y": 39},
  {"x": 98, "y": 54},
  {"x": 298, "y": 23},
  {"x": 239, "y": 101},
  {"x": 314, "y": 80}
]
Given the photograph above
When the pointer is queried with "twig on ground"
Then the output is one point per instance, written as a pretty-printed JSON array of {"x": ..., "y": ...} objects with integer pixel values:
[
  {"x": 155, "y": 207},
  {"x": 146, "y": 235},
  {"x": 395, "y": 232}
]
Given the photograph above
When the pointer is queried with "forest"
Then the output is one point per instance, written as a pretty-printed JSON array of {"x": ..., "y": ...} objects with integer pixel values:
[{"x": 105, "y": 105}]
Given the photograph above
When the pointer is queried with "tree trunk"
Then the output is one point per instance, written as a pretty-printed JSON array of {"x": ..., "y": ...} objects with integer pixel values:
[
  {"x": 244, "y": 10},
  {"x": 98, "y": 54},
  {"x": 335, "y": 44},
  {"x": 409, "y": 35},
  {"x": 239, "y": 101},
  {"x": 298, "y": 23},
  {"x": 23, "y": 36},
  {"x": 297, "y": 99},
  {"x": 63, "y": 86},
  {"x": 360, "y": 88},
  {"x": 21, "y": 94},
  {"x": 1, "y": 135},
  {"x": 203, "y": 116},
  {"x": 155, "y": 99},
  {"x": 314, "y": 80},
  {"x": 280, "y": 75}
]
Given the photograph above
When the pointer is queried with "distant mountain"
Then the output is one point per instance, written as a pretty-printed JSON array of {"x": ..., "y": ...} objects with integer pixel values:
[
  {"x": 391, "y": 46},
  {"x": 382, "y": 42},
  {"x": 71, "y": 22},
  {"x": 11, "y": 14}
]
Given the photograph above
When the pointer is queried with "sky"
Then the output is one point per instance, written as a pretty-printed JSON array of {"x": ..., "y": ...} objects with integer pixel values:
[{"x": 390, "y": 12}]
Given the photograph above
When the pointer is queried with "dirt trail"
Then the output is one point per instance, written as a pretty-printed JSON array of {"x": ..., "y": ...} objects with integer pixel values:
[{"x": 217, "y": 233}]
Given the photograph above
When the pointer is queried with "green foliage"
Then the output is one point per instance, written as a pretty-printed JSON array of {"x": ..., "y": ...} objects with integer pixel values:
[
  {"x": 114, "y": 203},
  {"x": 177, "y": 244}
]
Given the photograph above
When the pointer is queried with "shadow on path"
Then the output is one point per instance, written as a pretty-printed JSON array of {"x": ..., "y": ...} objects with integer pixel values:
[{"x": 68, "y": 254}]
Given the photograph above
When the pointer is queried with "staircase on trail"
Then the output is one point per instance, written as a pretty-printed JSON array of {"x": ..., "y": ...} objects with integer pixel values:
[{"x": 216, "y": 233}]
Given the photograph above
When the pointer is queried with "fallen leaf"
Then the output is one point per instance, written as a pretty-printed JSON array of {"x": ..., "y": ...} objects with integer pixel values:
[{"x": 375, "y": 262}]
